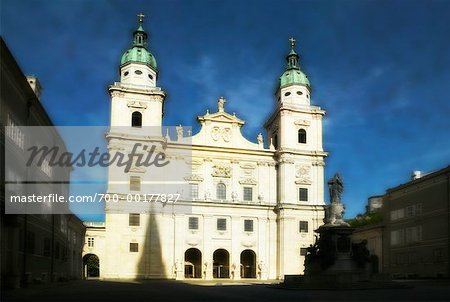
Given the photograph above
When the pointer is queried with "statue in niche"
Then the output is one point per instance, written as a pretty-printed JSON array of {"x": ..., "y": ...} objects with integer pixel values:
[
  {"x": 234, "y": 196},
  {"x": 261, "y": 197},
  {"x": 207, "y": 195},
  {"x": 205, "y": 269}
]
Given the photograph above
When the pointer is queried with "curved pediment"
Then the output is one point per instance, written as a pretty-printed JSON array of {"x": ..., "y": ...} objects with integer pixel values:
[{"x": 222, "y": 129}]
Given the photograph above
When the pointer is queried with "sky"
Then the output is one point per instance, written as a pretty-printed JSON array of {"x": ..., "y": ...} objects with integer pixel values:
[{"x": 379, "y": 68}]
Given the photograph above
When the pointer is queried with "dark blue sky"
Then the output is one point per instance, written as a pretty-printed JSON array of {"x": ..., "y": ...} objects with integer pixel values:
[{"x": 379, "y": 68}]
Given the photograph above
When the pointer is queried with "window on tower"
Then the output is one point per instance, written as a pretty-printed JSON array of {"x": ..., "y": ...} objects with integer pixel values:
[
  {"x": 303, "y": 227},
  {"x": 134, "y": 247},
  {"x": 275, "y": 141},
  {"x": 136, "y": 119},
  {"x": 135, "y": 183},
  {"x": 303, "y": 194},
  {"x": 134, "y": 219},
  {"x": 302, "y": 136}
]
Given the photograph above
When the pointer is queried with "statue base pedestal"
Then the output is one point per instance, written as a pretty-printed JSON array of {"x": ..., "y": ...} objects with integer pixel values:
[{"x": 335, "y": 258}]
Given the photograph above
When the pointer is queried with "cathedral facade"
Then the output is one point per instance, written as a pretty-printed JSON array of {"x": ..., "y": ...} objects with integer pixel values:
[{"x": 253, "y": 205}]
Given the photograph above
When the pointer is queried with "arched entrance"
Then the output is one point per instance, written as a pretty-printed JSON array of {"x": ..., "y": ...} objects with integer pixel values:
[
  {"x": 248, "y": 264},
  {"x": 192, "y": 263},
  {"x": 221, "y": 264},
  {"x": 91, "y": 266}
]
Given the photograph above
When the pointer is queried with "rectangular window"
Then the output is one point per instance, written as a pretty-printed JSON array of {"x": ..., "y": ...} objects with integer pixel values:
[
  {"x": 135, "y": 183},
  {"x": 134, "y": 219},
  {"x": 30, "y": 242},
  {"x": 248, "y": 225},
  {"x": 303, "y": 251},
  {"x": 303, "y": 226},
  {"x": 90, "y": 242},
  {"x": 194, "y": 190},
  {"x": 303, "y": 194},
  {"x": 64, "y": 254},
  {"x": 397, "y": 214},
  {"x": 57, "y": 250},
  {"x": 438, "y": 255},
  {"x": 14, "y": 132},
  {"x": 413, "y": 234},
  {"x": 63, "y": 225},
  {"x": 193, "y": 223},
  {"x": 221, "y": 191},
  {"x": 221, "y": 224},
  {"x": 410, "y": 211},
  {"x": 134, "y": 247},
  {"x": 409, "y": 234},
  {"x": 47, "y": 247},
  {"x": 397, "y": 237},
  {"x": 248, "y": 193},
  {"x": 418, "y": 209}
]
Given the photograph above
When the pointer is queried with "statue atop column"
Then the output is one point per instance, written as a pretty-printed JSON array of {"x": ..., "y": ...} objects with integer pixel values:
[{"x": 335, "y": 211}]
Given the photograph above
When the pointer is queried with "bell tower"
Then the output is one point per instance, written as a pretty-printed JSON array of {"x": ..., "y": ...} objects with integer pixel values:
[
  {"x": 136, "y": 101},
  {"x": 295, "y": 132}
]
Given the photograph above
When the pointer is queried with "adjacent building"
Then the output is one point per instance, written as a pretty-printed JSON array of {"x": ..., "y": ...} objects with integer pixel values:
[
  {"x": 35, "y": 248},
  {"x": 407, "y": 229},
  {"x": 416, "y": 241},
  {"x": 94, "y": 249}
]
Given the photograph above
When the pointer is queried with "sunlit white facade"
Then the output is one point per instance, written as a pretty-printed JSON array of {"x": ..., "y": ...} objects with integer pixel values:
[{"x": 254, "y": 204}]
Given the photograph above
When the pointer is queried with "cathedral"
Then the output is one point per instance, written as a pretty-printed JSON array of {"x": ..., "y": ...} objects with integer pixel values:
[{"x": 253, "y": 205}]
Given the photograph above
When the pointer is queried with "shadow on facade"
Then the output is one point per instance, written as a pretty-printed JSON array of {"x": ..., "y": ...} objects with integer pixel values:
[{"x": 151, "y": 264}]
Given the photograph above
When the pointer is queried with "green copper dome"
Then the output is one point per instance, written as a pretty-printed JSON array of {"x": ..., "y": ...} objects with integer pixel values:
[
  {"x": 138, "y": 53},
  {"x": 293, "y": 74}
]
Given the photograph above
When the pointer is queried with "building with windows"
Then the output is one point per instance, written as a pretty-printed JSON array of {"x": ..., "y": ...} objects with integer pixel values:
[
  {"x": 254, "y": 204},
  {"x": 35, "y": 248},
  {"x": 416, "y": 241},
  {"x": 94, "y": 247}
]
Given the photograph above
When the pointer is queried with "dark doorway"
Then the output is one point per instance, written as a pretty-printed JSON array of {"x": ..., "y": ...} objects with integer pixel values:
[
  {"x": 91, "y": 265},
  {"x": 221, "y": 260},
  {"x": 192, "y": 263},
  {"x": 248, "y": 264}
]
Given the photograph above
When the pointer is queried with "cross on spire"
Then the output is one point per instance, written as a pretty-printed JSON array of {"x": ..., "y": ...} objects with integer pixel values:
[
  {"x": 292, "y": 40},
  {"x": 141, "y": 17}
]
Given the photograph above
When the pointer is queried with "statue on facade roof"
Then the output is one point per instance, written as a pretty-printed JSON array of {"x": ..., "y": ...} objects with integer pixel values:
[
  {"x": 260, "y": 139},
  {"x": 221, "y": 104}
]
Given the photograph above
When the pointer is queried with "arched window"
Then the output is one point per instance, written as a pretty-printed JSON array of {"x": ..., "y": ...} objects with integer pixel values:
[
  {"x": 302, "y": 136},
  {"x": 221, "y": 192},
  {"x": 136, "y": 119}
]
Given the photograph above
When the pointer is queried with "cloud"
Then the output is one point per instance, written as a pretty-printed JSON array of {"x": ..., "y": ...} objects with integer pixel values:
[{"x": 249, "y": 97}]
